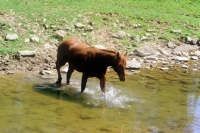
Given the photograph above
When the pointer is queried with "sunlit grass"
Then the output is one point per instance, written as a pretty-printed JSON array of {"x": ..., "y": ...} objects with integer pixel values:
[{"x": 161, "y": 15}]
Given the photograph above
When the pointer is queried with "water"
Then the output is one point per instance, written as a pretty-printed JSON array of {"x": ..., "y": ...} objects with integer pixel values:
[{"x": 151, "y": 101}]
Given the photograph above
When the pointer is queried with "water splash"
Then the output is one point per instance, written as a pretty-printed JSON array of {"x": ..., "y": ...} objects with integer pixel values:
[{"x": 114, "y": 97}]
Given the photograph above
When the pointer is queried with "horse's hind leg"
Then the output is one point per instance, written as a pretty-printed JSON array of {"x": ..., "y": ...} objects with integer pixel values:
[
  {"x": 58, "y": 66},
  {"x": 69, "y": 73},
  {"x": 83, "y": 82}
]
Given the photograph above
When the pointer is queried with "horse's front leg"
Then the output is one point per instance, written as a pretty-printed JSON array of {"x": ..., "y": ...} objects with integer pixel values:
[
  {"x": 83, "y": 82},
  {"x": 58, "y": 66},
  {"x": 69, "y": 73},
  {"x": 102, "y": 84}
]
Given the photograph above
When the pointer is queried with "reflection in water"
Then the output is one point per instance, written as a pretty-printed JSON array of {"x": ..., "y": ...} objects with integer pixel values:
[{"x": 151, "y": 101}]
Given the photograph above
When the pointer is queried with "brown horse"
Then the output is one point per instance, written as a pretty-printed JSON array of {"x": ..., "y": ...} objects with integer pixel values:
[{"x": 92, "y": 62}]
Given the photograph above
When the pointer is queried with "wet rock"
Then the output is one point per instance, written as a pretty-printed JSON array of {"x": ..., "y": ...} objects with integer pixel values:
[
  {"x": 194, "y": 58},
  {"x": 144, "y": 51},
  {"x": 119, "y": 35},
  {"x": 12, "y": 37},
  {"x": 65, "y": 69},
  {"x": 184, "y": 66},
  {"x": 44, "y": 72},
  {"x": 133, "y": 64},
  {"x": 164, "y": 68},
  {"x": 184, "y": 59},
  {"x": 27, "y": 53},
  {"x": 60, "y": 34}
]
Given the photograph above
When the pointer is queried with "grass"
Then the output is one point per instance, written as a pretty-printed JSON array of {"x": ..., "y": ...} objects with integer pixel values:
[{"x": 160, "y": 15}]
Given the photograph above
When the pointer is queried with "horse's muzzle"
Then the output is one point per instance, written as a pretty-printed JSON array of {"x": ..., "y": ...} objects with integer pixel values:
[{"x": 122, "y": 79}]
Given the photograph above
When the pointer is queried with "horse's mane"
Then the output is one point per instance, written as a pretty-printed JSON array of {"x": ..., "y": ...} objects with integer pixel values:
[{"x": 109, "y": 51}]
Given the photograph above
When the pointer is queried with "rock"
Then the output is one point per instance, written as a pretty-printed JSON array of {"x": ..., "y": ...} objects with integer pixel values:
[
  {"x": 27, "y": 40},
  {"x": 137, "y": 25},
  {"x": 119, "y": 35},
  {"x": 171, "y": 45},
  {"x": 65, "y": 69},
  {"x": 164, "y": 52},
  {"x": 44, "y": 72},
  {"x": 133, "y": 64},
  {"x": 12, "y": 37},
  {"x": 185, "y": 59},
  {"x": 27, "y": 53},
  {"x": 176, "y": 31},
  {"x": 60, "y": 34},
  {"x": 144, "y": 38},
  {"x": 188, "y": 39},
  {"x": 89, "y": 28},
  {"x": 151, "y": 58},
  {"x": 47, "y": 46},
  {"x": 54, "y": 42},
  {"x": 184, "y": 47},
  {"x": 164, "y": 68},
  {"x": 184, "y": 66},
  {"x": 99, "y": 46},
  {"x": 79, "y": 25},
  {"x": 136, "y": 38},
  {"x": 34, "y": 38},
  {"x": 194, "y": 58},
  {"x": 144, "y": 51},
  {"x": 194, "y": 41}
]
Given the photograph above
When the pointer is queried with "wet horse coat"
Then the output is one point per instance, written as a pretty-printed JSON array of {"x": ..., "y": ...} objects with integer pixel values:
[{"x": 92, "y": 62}]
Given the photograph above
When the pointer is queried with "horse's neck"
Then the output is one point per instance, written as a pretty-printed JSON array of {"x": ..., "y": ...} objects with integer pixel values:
[{"x": 108, "y": 56}]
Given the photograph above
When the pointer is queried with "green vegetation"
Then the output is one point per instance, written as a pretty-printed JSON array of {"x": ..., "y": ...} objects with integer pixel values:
[{"x": 162, "y": 16}]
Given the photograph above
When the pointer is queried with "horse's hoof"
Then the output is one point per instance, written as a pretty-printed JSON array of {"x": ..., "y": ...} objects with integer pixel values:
[{"x": 58, "y": 82}]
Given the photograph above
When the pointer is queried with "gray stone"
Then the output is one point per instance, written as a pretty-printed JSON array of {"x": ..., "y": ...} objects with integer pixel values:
[
  {"x": 54, "y": 42},
  {"x": 188, "y": 39},
  {"x": 79, "y": 25},
  {"x": 89, "y": 28},
  {"x": 144, "y": 51},
  {"x": 27, "y": 53},
  {"x": 171, "y": 45},
  {"x": 151, "y": 58},
  {"x": 194, "y": 58},
  {"x": 60, "y": 34},
  {"x": 119, "y": 35},
  {"x": 185, "y": 59},
  {"x": 164, "y": 68},
  {"x": 12, "y": 37},
  {"x": 99, "y": 46},
  {"x": 34, "y": 38},
  {"x": 133, "y": 64},
  {"x": 176, "y": 31},
  {"x": 184, "y": 66}
]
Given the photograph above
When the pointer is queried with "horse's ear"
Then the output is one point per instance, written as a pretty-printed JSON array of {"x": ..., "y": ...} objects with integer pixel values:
[{"x": 126, "y": 54}]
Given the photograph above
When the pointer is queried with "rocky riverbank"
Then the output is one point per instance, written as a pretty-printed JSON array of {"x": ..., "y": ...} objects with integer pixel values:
[{"x": 42, "y": 59}]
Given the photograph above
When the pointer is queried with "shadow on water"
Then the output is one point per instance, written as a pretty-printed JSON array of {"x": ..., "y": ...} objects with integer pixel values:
[
  {"x": 92, "y": 97},
  {"x": 62, "y": 92}
]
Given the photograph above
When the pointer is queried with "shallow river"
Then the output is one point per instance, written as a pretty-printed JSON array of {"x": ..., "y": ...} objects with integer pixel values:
[{"x": 151, "y": 101}]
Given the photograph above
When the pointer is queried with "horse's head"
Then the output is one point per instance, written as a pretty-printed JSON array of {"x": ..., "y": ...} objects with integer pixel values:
[{"x": 119, "y": 65}]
